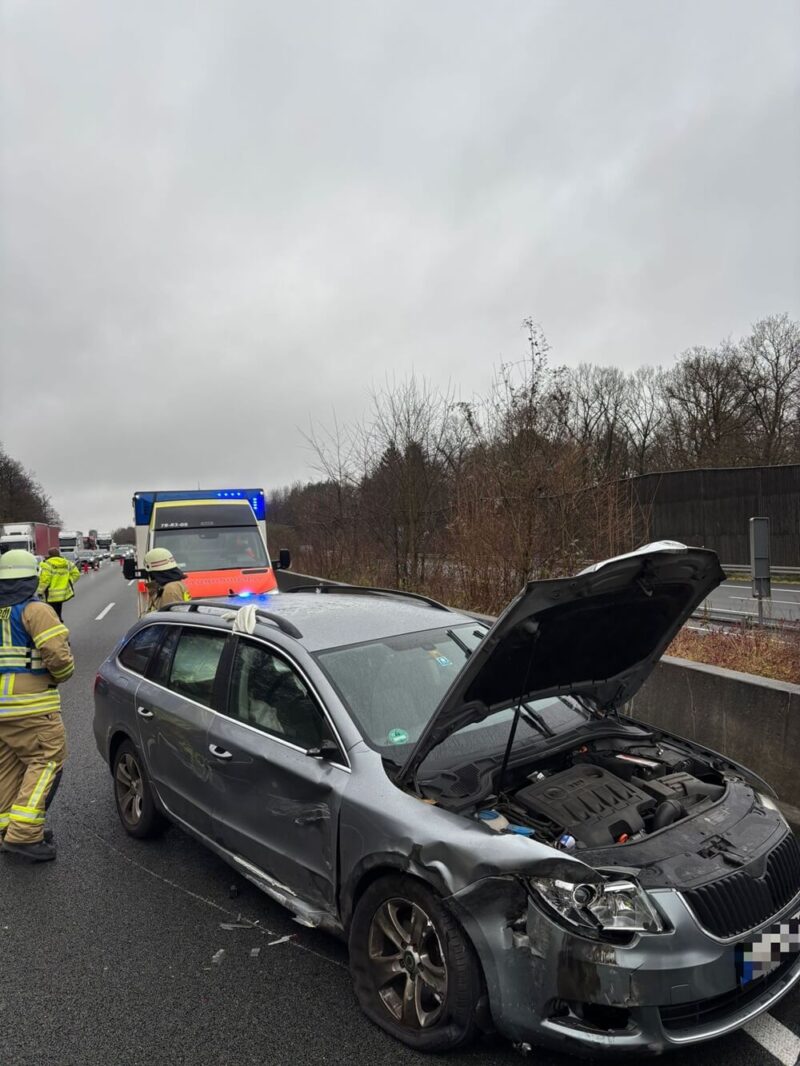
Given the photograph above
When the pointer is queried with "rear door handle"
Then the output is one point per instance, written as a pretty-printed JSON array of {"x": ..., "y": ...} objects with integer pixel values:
[
  {"x": 143, "y": 712},
  {"x": 219, "y": 753}
]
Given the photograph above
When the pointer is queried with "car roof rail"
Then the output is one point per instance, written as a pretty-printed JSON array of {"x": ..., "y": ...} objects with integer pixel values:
[
  {"x": 214, "y": 607},
  {"x": 369, "y": 590}
]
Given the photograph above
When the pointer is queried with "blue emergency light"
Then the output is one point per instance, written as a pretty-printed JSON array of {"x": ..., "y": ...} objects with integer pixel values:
[{"x": 143, "y": 501}]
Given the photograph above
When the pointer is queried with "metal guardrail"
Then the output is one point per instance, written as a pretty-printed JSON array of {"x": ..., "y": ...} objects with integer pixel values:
[{"x": 745, "y": 568}]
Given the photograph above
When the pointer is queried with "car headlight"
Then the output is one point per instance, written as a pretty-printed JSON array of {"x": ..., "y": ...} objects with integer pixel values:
[
  {"x": 769, "y": 804},
  {"x": 619, "y": 906}
]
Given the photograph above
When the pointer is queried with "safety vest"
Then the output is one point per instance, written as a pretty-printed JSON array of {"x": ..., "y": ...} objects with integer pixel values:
[
  {"x": 20, "y": 654},
  {"x": 56, "y": 578}
]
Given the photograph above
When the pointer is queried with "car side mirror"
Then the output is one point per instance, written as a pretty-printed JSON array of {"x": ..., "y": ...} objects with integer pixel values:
[
  {"x": 128, "y": 568},
  {"x": 328, "y": 751},
  {"x": 284, "y": 560}
]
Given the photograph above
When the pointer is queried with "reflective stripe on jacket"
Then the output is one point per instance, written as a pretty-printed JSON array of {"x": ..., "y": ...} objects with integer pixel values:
[
  {"x": 35, "y": 656},
  {"x": 160, "y": 595},
  {"x": 18, "y": 652},
  {"x": 56, "y": 578}
]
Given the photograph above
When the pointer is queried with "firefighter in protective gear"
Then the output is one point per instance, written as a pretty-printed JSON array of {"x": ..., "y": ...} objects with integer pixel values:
[
  {"x": 164, "y": 580},
  {"x": 35, "y": 657},
  {"x": 57, "y": 577}
]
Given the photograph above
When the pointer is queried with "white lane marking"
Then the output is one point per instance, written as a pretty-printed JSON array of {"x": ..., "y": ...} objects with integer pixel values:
[
  {"x": 775, "y": 1038},
  {"x": 752, "y": 599},
  {"x": 104, "y": 612},
  {"x": 131, "y": 581}
]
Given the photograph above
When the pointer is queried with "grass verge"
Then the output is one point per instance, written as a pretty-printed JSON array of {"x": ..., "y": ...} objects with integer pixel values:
[{"x": 771, "y": 653}]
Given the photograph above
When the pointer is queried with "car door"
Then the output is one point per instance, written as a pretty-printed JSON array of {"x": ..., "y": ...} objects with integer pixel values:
[
  {"x": 173, "y": 708},
  {"x": 277, "y": 801}
]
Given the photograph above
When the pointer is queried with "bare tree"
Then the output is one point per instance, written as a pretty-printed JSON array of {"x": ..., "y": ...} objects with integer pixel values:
[
  {"x": 707, "y": 413},
  {"x": 644, "y": 415},
  {"x": 22, "y": 498},
  {"x": 769, "y": 374}
]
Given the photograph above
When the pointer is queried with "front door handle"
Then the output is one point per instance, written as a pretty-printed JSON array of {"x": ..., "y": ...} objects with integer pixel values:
[
  {"x": 219, "y": 753},
  {"x": 143, "y": 712}
]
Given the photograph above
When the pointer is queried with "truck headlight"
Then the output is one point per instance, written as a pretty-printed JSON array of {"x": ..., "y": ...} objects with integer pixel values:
[{"x": 619, "y": 906}]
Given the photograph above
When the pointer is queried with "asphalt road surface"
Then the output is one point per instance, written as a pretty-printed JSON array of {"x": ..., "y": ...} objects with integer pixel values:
[
  {"x": 733, "y": 601},
  {"x": 155, "y": 953}
]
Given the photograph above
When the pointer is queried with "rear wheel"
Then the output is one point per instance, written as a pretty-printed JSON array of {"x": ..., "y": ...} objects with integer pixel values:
[
  {"x": 134, "y": 795},
  {"x": 415, "y": 972}
]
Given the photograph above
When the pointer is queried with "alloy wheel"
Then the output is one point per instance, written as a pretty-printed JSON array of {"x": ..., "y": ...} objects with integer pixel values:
[
  {"x": 129, "y": 788},
  {"x": 407, "y": 963}
]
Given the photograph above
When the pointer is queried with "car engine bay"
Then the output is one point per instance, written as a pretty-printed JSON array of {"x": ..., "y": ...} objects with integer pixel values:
[{"x": 599, "y": 794}]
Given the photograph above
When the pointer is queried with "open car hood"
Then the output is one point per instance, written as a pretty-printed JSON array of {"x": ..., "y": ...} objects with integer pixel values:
[{"x": 597, "y": 635}]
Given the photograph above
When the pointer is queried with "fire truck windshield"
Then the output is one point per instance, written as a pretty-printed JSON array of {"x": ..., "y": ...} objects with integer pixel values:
[{"x": 214, "y": 548}]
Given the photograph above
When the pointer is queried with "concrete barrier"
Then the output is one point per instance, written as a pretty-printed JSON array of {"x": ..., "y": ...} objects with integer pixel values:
[{"x": 754, "y": 720}]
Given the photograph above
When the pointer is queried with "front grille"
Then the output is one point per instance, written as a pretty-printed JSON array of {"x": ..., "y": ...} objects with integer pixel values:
[
  {"x": 717, "y": 1009},
  {"x": 740, "y": 902}
]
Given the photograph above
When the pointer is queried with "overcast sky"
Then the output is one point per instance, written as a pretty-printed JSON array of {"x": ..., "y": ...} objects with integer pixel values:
[{"x": 221, "y": 221}]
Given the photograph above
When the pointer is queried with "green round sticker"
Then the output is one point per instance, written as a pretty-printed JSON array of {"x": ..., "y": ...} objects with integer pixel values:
[{"x": 397, "y": 736}]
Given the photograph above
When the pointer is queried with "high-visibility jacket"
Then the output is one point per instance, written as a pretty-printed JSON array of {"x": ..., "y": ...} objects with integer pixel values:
[
  {"x": 35, "y": 656},
  {"x": 56, "y": 578},
  {"x": 159, "y": 596}
]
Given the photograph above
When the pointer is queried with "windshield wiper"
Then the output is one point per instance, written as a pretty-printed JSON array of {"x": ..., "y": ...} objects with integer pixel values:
[
  {"x": 457, "y": 640},
  {"x": 535, "y": 720}
]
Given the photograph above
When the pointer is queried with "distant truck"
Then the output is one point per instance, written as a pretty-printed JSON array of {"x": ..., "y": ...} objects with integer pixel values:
[
  {"x": 217, "y": 536},
  {"x": 35, "y": 537},
  {"x": 104, "y": 542},
  {"x": 70, "y": 541}
]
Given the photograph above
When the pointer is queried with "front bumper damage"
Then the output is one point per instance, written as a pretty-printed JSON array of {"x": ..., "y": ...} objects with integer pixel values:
[{"x": 548, "y": 986}]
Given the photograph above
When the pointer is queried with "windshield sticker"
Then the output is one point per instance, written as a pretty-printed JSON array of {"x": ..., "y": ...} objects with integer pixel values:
[
  {"x": 397, "y": 736},
  {"x": 442, "y": 660}
]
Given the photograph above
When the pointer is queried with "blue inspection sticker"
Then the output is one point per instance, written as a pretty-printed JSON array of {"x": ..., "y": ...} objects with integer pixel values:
[
  {"x": 397, "y": 736},
  {"x": 442, "y": 660}
]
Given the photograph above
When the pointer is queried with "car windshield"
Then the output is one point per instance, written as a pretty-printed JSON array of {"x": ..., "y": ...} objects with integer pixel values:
[
  {"x": 490, "y": 736},
  {"x": 392, "y": 687},
  {"x": 219, "y": 548}
]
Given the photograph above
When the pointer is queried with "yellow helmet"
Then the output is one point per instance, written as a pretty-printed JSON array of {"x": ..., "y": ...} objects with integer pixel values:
[
  {"x": 17, "y": 563},
  {"x": 159, "y": 559}
]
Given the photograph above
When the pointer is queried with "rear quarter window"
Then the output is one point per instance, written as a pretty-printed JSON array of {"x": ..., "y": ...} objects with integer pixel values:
[{"x": 136, "y": 654}]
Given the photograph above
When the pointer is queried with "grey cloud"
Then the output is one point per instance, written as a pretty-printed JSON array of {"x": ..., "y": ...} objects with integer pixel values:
[{"x": 220, "y": 221}]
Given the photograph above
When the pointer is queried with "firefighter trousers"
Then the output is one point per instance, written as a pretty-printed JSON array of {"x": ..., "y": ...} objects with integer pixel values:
[{"x": 32, "y": 753}]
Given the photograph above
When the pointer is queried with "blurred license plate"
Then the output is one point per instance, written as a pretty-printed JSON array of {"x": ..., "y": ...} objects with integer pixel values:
[{"x": 761, "y": 956}]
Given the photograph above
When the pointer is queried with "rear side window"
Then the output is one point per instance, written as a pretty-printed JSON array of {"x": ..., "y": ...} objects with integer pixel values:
[
  {"x": 194, "y": 664},
  {"x": 136, "y": 653}
]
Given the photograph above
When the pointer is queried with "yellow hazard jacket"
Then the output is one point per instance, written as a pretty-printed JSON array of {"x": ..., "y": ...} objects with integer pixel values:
[
  {"x": 35, "y": 656},
  {"x": 159, "y": 596},
  {"x": 56, "y": 578}
]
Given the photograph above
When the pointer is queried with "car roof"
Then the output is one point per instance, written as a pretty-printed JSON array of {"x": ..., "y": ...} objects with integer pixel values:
[{"x": 330, "y": 621}]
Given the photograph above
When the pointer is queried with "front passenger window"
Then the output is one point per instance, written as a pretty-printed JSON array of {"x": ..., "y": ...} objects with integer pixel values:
[
  {"x": 268, "y": 694},
  {"x": 194, "y": 664}
]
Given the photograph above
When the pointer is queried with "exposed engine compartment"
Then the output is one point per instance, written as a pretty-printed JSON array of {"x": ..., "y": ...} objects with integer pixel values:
[{"x": 609, "y": 791}]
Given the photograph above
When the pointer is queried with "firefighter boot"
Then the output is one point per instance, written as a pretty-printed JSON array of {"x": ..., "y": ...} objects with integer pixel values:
[{"x": 41, "y": 851}]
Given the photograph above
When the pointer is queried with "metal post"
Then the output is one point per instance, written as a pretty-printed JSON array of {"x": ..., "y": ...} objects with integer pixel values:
[{"x": 759, "y": 563}]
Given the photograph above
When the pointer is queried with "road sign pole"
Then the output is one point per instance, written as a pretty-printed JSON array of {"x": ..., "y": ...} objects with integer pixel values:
[{"x": 759, "y": 563}]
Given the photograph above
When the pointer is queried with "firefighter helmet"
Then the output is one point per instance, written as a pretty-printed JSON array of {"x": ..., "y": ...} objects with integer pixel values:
[
  {"x": 159, "y": 559},
  {"x": 17, "y": 563}
]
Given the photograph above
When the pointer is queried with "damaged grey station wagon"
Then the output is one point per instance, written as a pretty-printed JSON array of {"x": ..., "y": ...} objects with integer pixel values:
[{"x": 502, "y": 848}]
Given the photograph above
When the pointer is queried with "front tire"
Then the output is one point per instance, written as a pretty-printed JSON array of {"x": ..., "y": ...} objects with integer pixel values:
[
  {"x": 414, "y": 970},
  {"x": 134, "y": 795}
]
